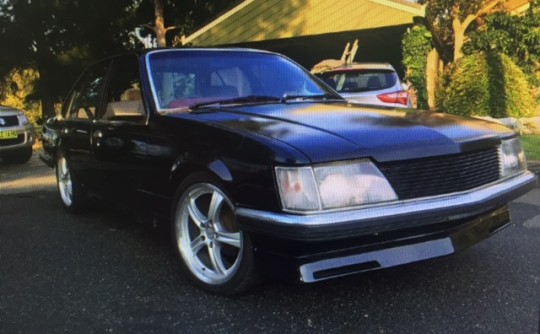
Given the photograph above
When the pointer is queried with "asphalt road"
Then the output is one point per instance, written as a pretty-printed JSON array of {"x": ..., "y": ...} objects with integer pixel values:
[{"x": 102, "y": 272}]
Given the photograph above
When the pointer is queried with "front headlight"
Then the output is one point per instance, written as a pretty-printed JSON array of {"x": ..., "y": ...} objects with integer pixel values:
[
  {"x": 332, "y": 186},
  {"x": 22, "y": 119},
  {"x": 512, "y": 157}
]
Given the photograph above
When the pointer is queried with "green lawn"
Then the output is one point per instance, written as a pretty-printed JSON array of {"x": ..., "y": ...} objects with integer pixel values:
[{"x": 531, "y": 146}]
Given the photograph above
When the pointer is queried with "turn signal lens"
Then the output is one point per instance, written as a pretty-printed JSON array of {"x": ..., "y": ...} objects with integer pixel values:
[
  {"x": 297, "y": 188},
  {"x": 512, "y": 157},
  {"x": 22, "y": 119}
]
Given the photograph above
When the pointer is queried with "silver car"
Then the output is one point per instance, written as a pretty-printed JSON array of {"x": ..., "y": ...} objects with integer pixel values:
[
  {"x": 368, "y": 83},
  {"x": 17, "y": 135}
]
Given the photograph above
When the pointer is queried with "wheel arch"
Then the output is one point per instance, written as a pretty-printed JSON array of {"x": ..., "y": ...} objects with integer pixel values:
[
  {"x": 58, "y": 149},
  {"x": 182, "y": 168}
]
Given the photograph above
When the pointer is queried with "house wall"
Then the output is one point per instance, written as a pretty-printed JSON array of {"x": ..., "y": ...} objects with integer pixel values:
[{"x": 309, "y": 31}]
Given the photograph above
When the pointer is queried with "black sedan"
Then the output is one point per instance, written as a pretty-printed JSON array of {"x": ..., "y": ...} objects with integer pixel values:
[{"x": 261, "y": 168}]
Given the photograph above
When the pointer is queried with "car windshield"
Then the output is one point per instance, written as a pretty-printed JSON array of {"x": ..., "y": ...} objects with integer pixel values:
[
  {"x": 355, "y": 81},
  {"x": 182, "y": 79}
]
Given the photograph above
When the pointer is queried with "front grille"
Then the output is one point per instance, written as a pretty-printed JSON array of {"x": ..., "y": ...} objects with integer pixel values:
[
  {"x": 14, "y": 141},
  {"x": 7, "y": 121},
  {"x": 442, "y": 175}
]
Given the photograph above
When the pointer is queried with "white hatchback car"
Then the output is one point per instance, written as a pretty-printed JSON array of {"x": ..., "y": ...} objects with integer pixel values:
[
  {"x": 368, "y": 83},
  {"x": 17, "y": 135}
]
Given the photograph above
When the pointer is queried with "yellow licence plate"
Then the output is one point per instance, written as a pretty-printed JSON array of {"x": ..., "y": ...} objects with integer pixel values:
[{"x": 8, "y": 134}]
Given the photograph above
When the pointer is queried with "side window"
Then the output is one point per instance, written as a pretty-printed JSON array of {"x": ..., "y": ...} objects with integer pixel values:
[
  {"x": 123, "y": 94},
  {"x": 85, "y": 98},
  {"x": 229, "y": 82},
  {"x": 176, "y": 85}
]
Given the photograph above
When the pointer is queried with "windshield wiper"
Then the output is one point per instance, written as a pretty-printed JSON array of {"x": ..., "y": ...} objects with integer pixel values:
[
  {"x": 264, "y": 98},
  {"x": 234, "y": 100},
  {"x": 324, "y": 97}
]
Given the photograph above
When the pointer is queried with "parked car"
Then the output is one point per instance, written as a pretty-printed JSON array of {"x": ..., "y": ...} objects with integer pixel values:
[
  {"x": 17, "y": 135},
  {"x": 368, "y": 83},
  {"x": 259, "y": 168}
]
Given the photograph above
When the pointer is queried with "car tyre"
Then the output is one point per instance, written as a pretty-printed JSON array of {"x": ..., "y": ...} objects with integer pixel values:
[
  {"x": 215, "y": 253},
  {"x": 72, "y": 194},
  {"x": 20, "y": 156}
]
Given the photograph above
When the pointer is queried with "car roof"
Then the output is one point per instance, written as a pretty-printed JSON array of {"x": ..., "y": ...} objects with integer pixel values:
[
  {"x": 206, "y": 49},
  {"x": 9, "y": 111},
  {"x": 145, "y": 52},
  {"x": 362, "y": 66},
  {"x": 5, "y": 108}
]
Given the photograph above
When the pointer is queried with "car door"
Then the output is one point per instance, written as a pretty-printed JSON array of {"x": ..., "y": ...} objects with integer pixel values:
[
  {"x": 76, "y": 125},
  {"x": 120, "y": 134}
]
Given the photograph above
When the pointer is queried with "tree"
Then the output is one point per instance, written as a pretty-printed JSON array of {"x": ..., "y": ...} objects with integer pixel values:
[
  {"x": 515, "y": 36},
  {"x": 452, "y": 18},
  {"x": 183, "y": 17},
  {"x": 416, "y": 45},
  {"x": 58, "y": 37},
  {"x": 17, "y": 85},
  {"x": 159, "y": 24}
]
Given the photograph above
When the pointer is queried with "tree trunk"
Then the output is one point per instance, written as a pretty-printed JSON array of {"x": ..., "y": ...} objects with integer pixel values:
[
  {"x": 44, "y": 95},
  {"x": 47, "y": 107},
  {"x": 461, "y": 27},
  {"x": 459, "y": 38},
  {"x": 45, "y": 83},
  {"x": 433, "y": 72},
  {"x": 159, "y": 26}
]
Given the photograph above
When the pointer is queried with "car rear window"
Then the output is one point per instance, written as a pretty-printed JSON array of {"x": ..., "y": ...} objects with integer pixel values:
[{"x": 354, "y": 81}]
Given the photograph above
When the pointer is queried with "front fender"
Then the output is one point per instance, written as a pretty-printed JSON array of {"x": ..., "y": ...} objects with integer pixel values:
[
  {"x": 190, "y": 163},
  {"x": 250, "y": 183}
]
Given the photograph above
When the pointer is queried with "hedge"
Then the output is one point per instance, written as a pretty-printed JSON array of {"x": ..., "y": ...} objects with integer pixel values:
[{"x": 487, "y": 84}]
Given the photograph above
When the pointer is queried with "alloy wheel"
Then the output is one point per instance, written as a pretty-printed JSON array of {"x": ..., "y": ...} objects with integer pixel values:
[
  {"x": 207, "y": 234},
  {"x": 65, "y": 184}
]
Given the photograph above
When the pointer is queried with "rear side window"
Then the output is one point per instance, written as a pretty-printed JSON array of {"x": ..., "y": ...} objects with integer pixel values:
[
  {"x": 354, "y": 81},
  {"x": 123, "y": 93},
  {"x": 84, "y": 101}
]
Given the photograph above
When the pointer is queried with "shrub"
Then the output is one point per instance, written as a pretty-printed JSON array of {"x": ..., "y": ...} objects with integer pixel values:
[
  {"x": 16, "y": 87},
  {"x": 487, "y": 84}
]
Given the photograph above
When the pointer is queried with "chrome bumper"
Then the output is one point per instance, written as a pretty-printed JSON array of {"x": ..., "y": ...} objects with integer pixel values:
[
  {"x": 387, "y": 216},
  {"x": 412, "y": 249}
]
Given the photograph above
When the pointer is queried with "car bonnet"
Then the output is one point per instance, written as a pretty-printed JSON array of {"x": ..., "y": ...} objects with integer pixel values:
[{"x": 330, "y": 131}]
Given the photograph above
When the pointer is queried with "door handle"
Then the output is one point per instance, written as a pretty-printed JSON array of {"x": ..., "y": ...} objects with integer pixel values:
[
  {"x": 97, "y": 136},
  {"x": 67, "y": 131}
]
